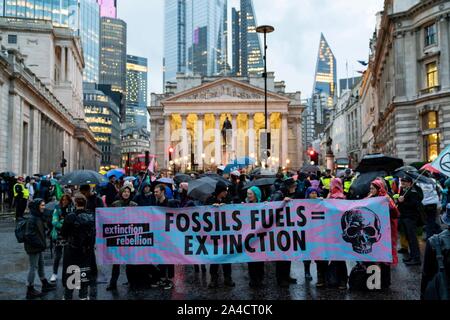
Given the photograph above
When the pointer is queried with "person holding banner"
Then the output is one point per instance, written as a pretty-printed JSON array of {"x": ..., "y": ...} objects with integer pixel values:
[
  {"x": 161, "y": 277},
  {"x": 218, "y": 198},
  {"x": 335, "y": 269},
  {"x": 255, "y": 269},
  {"x": 125, "y": 201},
  {"x": 378, "y": 189},
  {"x": 283, "y": 268},
  {"x": 409, "y": 202}
]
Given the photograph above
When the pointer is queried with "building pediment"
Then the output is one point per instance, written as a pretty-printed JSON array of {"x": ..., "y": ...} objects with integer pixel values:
[{"x": 225, "y": 89}]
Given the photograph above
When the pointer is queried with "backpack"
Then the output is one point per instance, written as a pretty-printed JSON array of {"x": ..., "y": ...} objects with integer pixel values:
[
  {"x": 84, "y": 232},
  {"x": 438, "y": 287},
  {"x": 20, "y": 230}
]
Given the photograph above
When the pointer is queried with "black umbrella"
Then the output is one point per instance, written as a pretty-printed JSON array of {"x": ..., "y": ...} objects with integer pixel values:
[
  {"x": 310, "y": 169},
  {"x": 361, "y": 186},
  {"x": 82, "y": 177},
  {"x": 260, "y": 183},
  {"x": 202, "y": 188},
  {"x": 379, "y": 162},
  {"x": 406, "y": 169},
  {"x": 217, "y": 177},
  {"x": 181, "y": 177},
  {"x": 8, "y": 174},
  {"x": 415, "y": 175}
]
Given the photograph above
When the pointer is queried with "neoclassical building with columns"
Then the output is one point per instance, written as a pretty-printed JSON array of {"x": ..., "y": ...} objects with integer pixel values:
[{"x": 190, "y": 118}]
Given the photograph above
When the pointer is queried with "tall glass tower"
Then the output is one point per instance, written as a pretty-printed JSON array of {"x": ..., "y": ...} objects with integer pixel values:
[
  {"x": 136, "y": 112},
  {"x": 90, "y": 39},
  {"x": 246, "y": 44},
  {"x": 318, "y": 112},
  {"x": 64, "y": 13},
  {"x": 325, "y": 80},
  {"x": 174, "y": 38},
  {"x": 195, "y": 37}
]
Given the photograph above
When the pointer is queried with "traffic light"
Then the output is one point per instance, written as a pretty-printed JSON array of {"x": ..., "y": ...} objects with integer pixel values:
[
  {"x": 171, "y": 150},
  {"x": 64, "y": 163},
  {"x": 314, "y": 156}
]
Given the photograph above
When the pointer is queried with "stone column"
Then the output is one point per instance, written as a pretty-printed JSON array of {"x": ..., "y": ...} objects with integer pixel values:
[
  {"x": 200, "y": 119},
  {"x": 184, "y": 139},
  {"x": 444, "y": 76},
  {"x": 234, "y": 143},
  {"x": 167, "y": 139},
  {"x": 299, "y": 150},
  {"x": 63, "y": 65},
  {"x": 218, "y": 140},
  {"x": 153, "y": 124},
  {"x": 251, "y": 135},
  {"x": 284, "y": 139}
]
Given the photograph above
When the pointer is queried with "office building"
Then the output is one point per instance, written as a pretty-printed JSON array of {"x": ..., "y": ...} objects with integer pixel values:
[{"x": 136, "y": 111}]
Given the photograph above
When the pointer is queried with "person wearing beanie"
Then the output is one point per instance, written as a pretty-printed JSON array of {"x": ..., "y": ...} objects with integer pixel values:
[
  {"x": 255, "y": 269},
  {"x": 218, "y": 198},
  {"x": 124, "y": 201},
  {"x": 35, "y": 244}
]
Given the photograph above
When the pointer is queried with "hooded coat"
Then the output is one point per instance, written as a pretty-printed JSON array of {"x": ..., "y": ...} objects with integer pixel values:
[
  {"x": 121, "y": 203},
  {"x": 394, "y": 215},
  {"x": 144, "y": 199},
  {"x": 35, "y": 240},
  {"x": 336, "y": 189}
]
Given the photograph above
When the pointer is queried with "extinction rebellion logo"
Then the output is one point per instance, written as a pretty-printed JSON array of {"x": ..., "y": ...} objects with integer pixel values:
[{"x": 128, "y": 235}]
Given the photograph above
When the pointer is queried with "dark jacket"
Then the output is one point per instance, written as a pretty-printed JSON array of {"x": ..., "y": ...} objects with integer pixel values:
[
  {"x": 122, "y": 204},
  {"x": 35, "y": 240},
  {"x": 409, "y": 209},
  {"x": 213, "y": 200},
  {"x": 111, "y": 194},
  {"x": 430, "y": 264},
  {"x": 74, "y": 234},
  {"x": 144, "y": 199},
  {"x": 93, "y": 202}
]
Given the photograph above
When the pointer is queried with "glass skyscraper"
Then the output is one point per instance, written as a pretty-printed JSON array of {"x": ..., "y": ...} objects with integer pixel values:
[
  {"x": 318, "y": 111},
  {"x": 90, "y": 39},
  {"x": 195, "y": 37},
  {"x": 61, "y": 13},
  {"x": 113, "y": 56},
  {"x": 325, "y": 80},
  {"x": 136, "y": 110},
  {"x": 247, "y": 53},
  {"x": 64, "y": 13},
  {"x": 174, "y": 38}
]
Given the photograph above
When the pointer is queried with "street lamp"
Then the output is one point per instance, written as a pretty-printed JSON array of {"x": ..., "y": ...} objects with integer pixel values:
[{"x": 265, "y": 29}]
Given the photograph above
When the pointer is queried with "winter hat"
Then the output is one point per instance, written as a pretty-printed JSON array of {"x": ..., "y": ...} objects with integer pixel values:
[
  {"x": 257, "y": 193},
  {"x": 220, "y": 187},
  {"x": 128, "y": 184},
  {"x": 311, "y": 190},
  {"x": 408, "y": 179},
  {"x": 236, "y": 173}
]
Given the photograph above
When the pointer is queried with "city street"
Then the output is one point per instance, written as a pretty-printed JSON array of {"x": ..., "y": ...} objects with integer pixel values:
[{"x": 192, "y": 286}]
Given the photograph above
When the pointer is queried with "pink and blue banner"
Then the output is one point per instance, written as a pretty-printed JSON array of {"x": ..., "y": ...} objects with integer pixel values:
[{"x": 337, "y": 230}]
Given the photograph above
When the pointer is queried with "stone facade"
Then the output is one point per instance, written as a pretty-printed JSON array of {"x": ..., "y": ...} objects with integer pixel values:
[
  {"x": 190, "y": 117},
  {"x": 41, "y": 100},
  {"x": 411, "y": 78}
]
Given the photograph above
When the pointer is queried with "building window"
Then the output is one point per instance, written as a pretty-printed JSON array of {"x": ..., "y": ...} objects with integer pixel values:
[
  {"x": 432, "y": 147},
  {"x": 432, "y": 75},
  {"x": 430, "y": 35},
  {"x": 430, "y": 120},
  {"x": 12, "y": 39}
]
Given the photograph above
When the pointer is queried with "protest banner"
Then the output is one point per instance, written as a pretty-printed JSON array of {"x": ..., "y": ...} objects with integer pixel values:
[{"x": 276, "y": 231}]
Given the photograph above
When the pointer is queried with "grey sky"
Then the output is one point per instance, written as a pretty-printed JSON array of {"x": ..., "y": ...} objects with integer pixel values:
[{"x": 347, "y": 25}]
